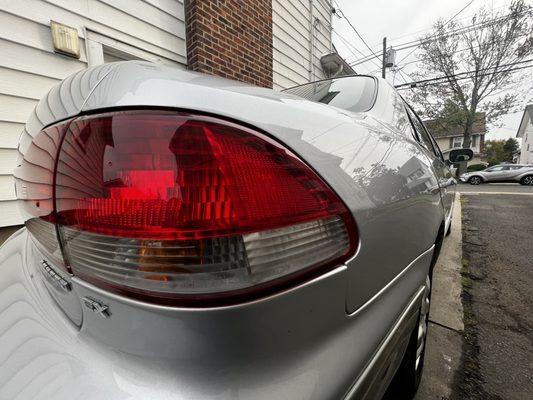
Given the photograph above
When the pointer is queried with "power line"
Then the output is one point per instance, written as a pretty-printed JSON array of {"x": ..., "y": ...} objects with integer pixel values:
[
  {"x": 419, "y": 42},
  {"x": 441, "y": 80},
  {"x": 350, "y": 46},
  {"x": 460, "y": 75},
  {"x": 455, "y": 52},
  {"x": 450, "y": 20},
  {"x": 418, "y": 32},
  {"x": 472, "y": 72},
  {"x": 347, "y": 43},
  {"x": 459, "y": 12},
  {"x": 341, "y": 13}
]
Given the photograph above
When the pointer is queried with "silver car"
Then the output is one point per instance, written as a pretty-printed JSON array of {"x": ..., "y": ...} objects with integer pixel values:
[
  {"x": 191, "y": 237},
  {"x": 519, "y": 173}
]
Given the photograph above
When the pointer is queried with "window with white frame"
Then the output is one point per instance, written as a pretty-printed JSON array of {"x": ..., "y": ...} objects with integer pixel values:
[
  {"x": 458, "y": 141},
  {"x": 415, "y": 175},
  {"x": 103, "y": 49}
]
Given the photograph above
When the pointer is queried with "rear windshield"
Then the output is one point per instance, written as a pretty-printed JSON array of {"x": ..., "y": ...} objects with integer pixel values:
[{"x": 354, "y": 93}]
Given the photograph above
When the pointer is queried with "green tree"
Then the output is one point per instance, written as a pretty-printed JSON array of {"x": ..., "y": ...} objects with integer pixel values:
[
  {"x": 498, "y": 151},
  {"x": 511, "y": 146},
  {"x": 479, "y": 61}
]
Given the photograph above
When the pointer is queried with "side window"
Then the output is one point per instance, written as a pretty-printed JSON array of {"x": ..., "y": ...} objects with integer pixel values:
[
  {"x": 423, "y": 136},
  {"x": 436, "y": 147}
]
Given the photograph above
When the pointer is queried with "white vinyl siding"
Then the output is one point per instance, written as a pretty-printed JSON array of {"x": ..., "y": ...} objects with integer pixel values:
[
  {"x": 147, "y": 29},
  {"x": 526, "y": 154},
  {"x": 292, "y": 49},
  {"x": 525, "y": 131}
]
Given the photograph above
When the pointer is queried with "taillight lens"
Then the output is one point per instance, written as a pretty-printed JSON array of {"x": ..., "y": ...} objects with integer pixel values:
[{"x": 168, "y": 207}]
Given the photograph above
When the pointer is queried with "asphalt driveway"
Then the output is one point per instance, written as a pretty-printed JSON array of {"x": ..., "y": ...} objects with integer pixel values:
[{"x": 497, "y": 277}]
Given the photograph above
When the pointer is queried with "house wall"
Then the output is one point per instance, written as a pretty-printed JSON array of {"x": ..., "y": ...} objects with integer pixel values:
[
  {"x": 231, "y": 39},
  {"x": 108, "y": 30},
  {"x": 526, "y": 152},
  {"x": 301, "y": 36},
  {"x": 444, "y": 143},
  {"x": 525, "y": 133}
]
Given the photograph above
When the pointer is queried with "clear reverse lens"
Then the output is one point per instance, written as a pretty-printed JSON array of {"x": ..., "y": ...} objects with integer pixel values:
[{"x": 189, "y": 267}]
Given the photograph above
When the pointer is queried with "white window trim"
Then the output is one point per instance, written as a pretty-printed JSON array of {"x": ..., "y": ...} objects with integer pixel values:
[
  {"x": 457, "y": 144},
  {"x": 96, "y": 44}
]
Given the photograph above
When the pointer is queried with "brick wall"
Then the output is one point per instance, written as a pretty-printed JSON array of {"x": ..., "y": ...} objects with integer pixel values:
[{"x": 230, "y": 38}]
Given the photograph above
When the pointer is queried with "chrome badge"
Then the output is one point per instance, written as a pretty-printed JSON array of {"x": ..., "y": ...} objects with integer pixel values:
[
  {"x": 54, "y": 277},
  {"x": 96, "y": 307}
]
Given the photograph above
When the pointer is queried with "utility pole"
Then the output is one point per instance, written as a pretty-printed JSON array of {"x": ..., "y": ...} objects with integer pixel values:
[{"x": 384, "y": 65}]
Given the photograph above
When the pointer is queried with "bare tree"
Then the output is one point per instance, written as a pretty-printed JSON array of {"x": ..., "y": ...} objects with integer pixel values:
[{"x": 479, "y": 61}]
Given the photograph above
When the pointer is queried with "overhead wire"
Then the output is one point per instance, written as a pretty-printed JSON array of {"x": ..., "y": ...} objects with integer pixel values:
[
  {"x": 446, "y": 23},
  {"x": 417, "y": 43},
  {"x": 341, "y": 13},
  {"x": 349, "y": 45},
  {"x": 460, "y": 75}
]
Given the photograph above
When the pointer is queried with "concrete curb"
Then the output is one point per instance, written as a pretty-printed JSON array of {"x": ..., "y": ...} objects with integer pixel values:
[
  {"x": 446, "y": 305},
  {"x": 445, "y": 341},
  {"x": 501, "y": 193}
]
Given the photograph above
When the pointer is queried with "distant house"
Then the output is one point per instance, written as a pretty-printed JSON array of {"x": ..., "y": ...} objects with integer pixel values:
[
  {"x": 525, "y": 132},
  {"x": 417, "y": 176},
  {"x": 451, "y": 137}
]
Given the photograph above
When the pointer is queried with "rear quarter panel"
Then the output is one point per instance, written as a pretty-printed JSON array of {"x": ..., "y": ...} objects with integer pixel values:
[{"x": 528, "y": 171}]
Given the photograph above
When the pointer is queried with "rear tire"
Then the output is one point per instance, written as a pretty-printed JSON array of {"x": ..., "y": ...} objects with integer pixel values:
[
  {"x": 405, "y": 383},
  {"x": 475, "y": 180},
  {"x": 527, "y": 180}
]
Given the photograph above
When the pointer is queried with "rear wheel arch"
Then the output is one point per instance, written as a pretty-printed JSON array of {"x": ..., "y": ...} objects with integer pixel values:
[
  {"x": 476, "y": 178},
  {"x": 406, "y": 380},
  {"x": 527, "y": 180}
]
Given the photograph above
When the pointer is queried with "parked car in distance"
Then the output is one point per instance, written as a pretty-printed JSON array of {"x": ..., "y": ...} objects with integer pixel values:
[
  {"x": 519, "y": 173},
  {"x": 192, "y": 237}
]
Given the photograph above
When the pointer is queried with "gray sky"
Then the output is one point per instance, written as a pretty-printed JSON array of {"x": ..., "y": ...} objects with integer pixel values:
[{"x": 403, "y": 21}]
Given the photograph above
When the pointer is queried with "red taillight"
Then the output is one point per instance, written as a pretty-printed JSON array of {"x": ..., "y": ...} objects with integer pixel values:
[{"x": 168, "y": 206}]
